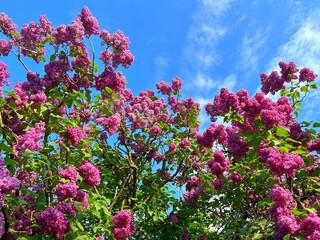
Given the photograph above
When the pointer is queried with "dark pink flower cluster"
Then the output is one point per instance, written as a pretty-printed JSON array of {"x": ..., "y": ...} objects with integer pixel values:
[
  {"x": 110, "y": 124},
  {"x": 315, "y": 145},
  {"x": 120, "y": 45},
  {"x": 22, "y": 222},
  {"x": 176, "y": 84},
  {"x": 69, "y": 173},
  {"x": 31, "y": 139},
  {"x": 67, "y": 208},
  {"x": 218, "y": 165},
  {"x": 275, "y": 82},
  {"x": 211, "y": 134},
  {"x": 123, "y": 225},
  {"x": 52, "y": 222},
  {"x": 32, "y": 36},
  {"x": 307, "y": 75},
  {"x": 74, "y": 135},
  {"x": 66, "y": 190},
  {"x": 3, "y": 75},
  {"x": 90, "y": 173},
  {"x": 236, "y": 177},
  {"x": 311, "y": 226},
  {"x": 174, "y": 218},
  {"x": 111, "y": 79},
  {"x": 89, "y": 22},
  {"x": 83, "y": 198},
  {"x": 5, "y": 47},
  {"x": 7, "y": 183},
  {"x": 285, "y": 222},
  {"x": 272, "y": 113},
  {"x": 7, "y": 27},
  {"x": 144, "y": 111},
  {"x": 184, "y": 143},
  {"x": 193, "y": 183},
  {"x": 281, "y": 163},
  {"x": 184, "y": 235}
]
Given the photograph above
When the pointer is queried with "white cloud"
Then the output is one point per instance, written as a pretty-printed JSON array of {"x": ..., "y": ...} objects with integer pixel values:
[
  {"x": 304, "y": 46},
  {"x": 251, "y": 48},
  {"x": 205, "y": 33},
  {"x": 201, "y": 81}
]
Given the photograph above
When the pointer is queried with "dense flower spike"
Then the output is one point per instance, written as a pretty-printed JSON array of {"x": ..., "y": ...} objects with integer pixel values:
[
  {"x": 53, "y": 222},
  {"x": 123, "y": 225},
  {"x": 90, "y": 173}
]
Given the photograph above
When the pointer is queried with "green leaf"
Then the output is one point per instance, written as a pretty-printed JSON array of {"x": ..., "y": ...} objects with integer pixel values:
[
  {"x": 316, "y": 125},
  {"x": 282, "y": 132},
  {"x": 53, "y": 57},
  {"x": 5, "y": 148}
]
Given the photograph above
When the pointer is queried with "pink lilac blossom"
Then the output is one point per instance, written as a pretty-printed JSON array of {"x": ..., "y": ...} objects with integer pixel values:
[
  {"x": 52, "y": 222},
  {"x": 176, "y": 84},
  {"x": 111, "y": 124},
  {"x": 66, "y": 208},
  {"x": 285, "y": 222},
  {"x": 310, "y": 224},
  {"x": 217, "y": 184},
  {"x": 31, "y": 139},
  {"x": 184, "y": 143},
  {"x": 184, "y": 235},
  {"x": 23, "y": 223},
  {"x": 174, "y": 218},
  {"x": 164, "y": 88},
  {"x": 3, "y": 75},
  {"x": 89, "y": 22},
  {"x": 82, "y": 197},
  {"x": 281, "y": 163},
  {"x": 66, "y": 190},
  {"x": 90, "y": 173},
  {"x": 7, "y": 27},
  {"x": 306, "y": 75},
  {"x": 193, "y": 183},
  {"x": 75, "y": 134},
  {"x": 120, "y": 44},
  {"x": 236, "y": 177},
  {"x": 5, "y": 47},
  {"x": 123, "y": 225},
  {"x": 218, "y": 164},
  {"x": 69, "y": 173}
]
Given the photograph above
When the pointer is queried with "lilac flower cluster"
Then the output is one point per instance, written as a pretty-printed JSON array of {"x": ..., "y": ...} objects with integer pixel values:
[
  {"x": 75, "y": 134},
  {"x": 123, "y": 225},
  {"x": 89, "y": 22},
  {"x": 66, "y": 190},
  {"x": 281, "y": 163},
  {"x": 174, "y": 218},
  {"x": 31, "y": 139},
  {"x": 143, "y": 111},
  {"x": 52, "y": 222},
  {"x": 285, "y": 222},
  {"x": 120, "y": 44},
  {"x": 3, "y": 75},
  {"x": 274, "y": 82},
  {"x": 110, "y": 124},
  {"x": 69, "y": 173},
  {"x": 32, "y": 36},
  {"x": 90, "y": 173},
  {"x": 218, "y": 165},
  {"x": 7, "y": 27}
]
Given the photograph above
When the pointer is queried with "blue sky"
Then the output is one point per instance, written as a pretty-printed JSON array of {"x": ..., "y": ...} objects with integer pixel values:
[{"x": 209, "y": 44}]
